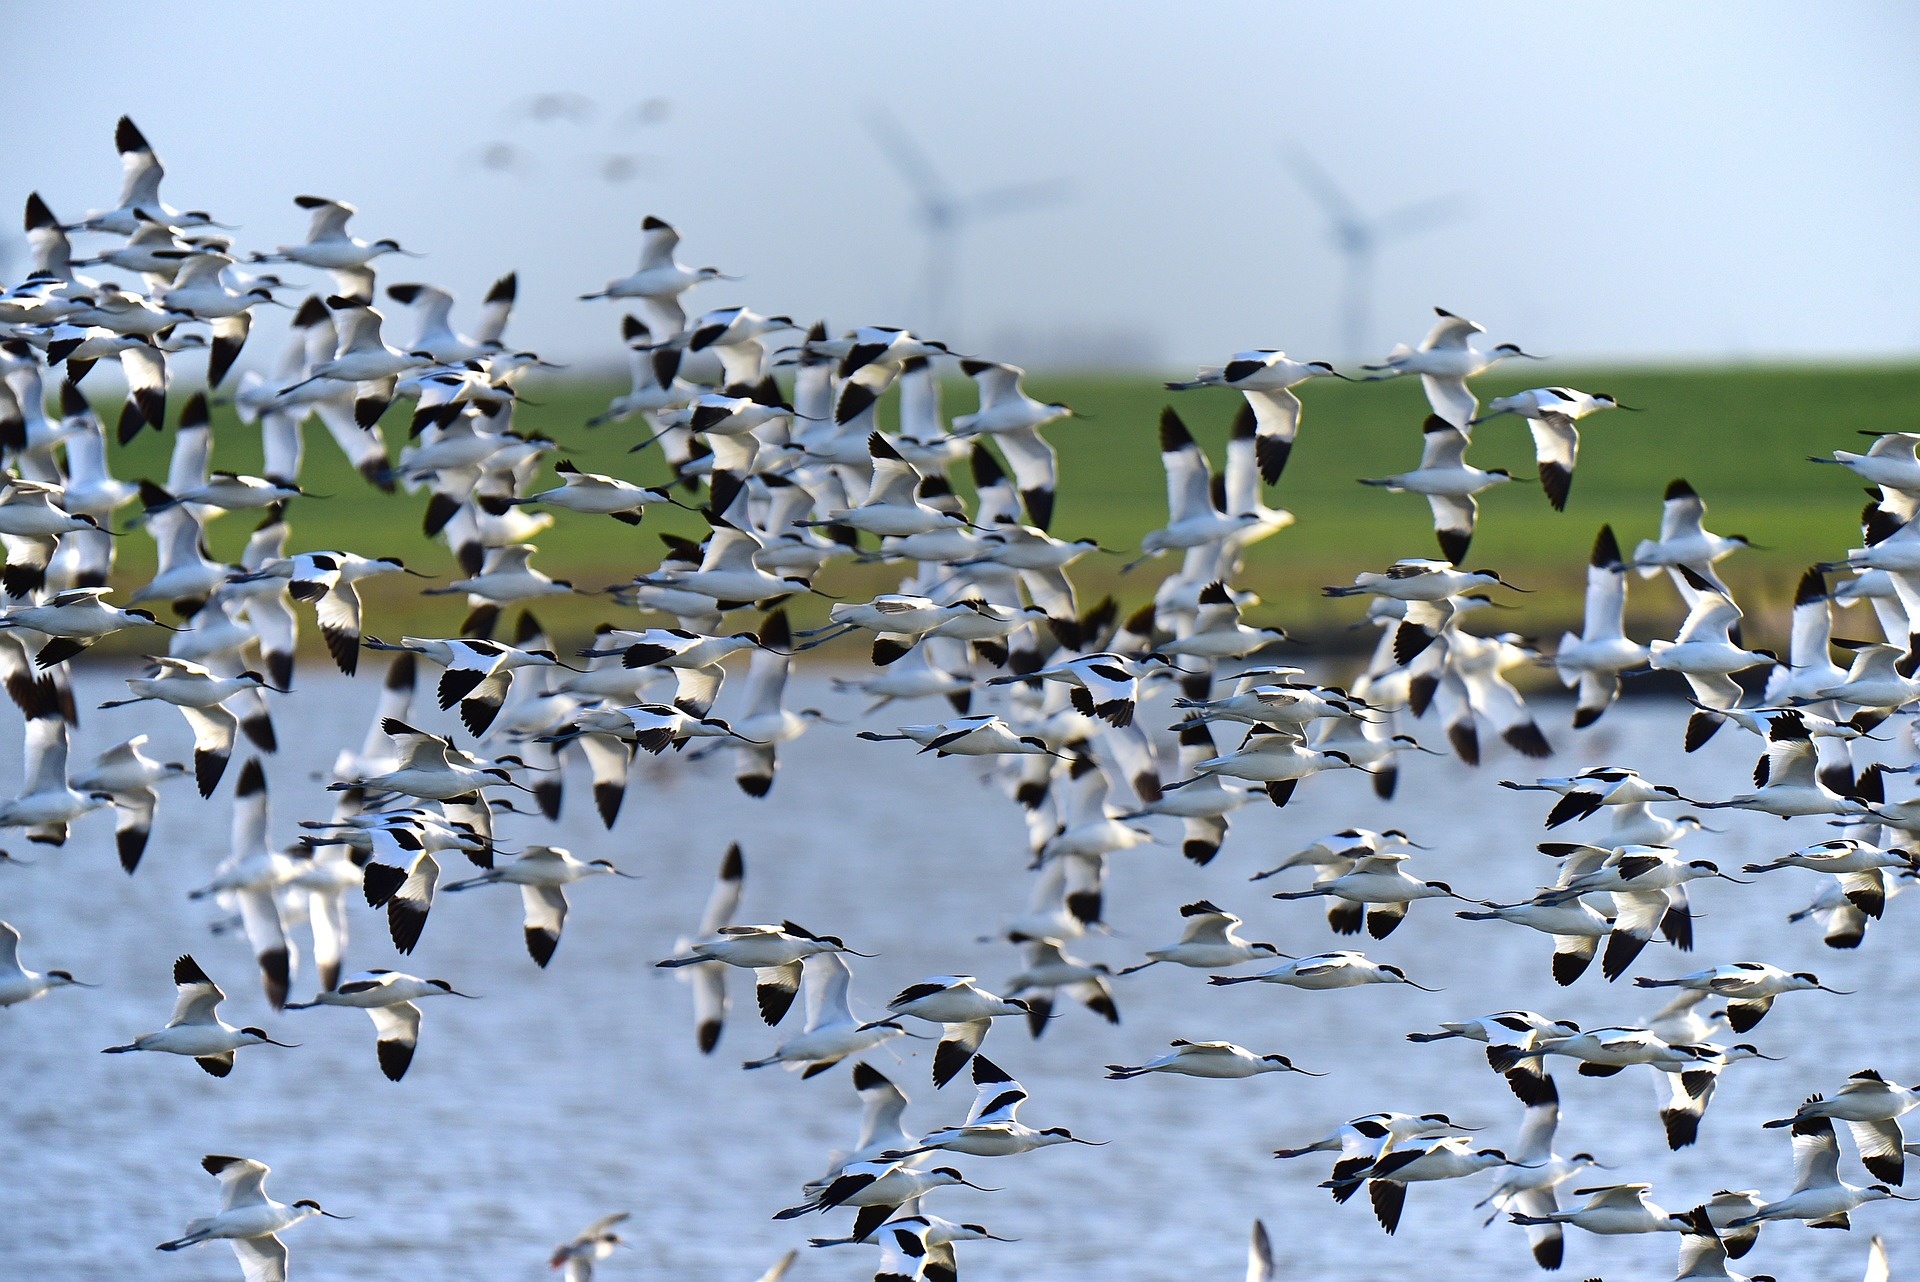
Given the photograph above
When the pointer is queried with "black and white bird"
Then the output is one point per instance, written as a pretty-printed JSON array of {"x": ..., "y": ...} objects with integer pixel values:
[
  {"x": 1449, "y": 483},
  {"x": 775, "y": 954},
  {"x": 249, "y": 1219},
  {"x": 17, "y": 983},
  {"x": 195, "y": 1028},
  {"x": 542, "y": 873},
  {"x": 390, "y": 998}
]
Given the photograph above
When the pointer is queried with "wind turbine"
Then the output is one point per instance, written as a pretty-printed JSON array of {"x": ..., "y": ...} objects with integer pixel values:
[
  {"x": 944, "y": 215},
  {"x": 1359, "y": 239}
]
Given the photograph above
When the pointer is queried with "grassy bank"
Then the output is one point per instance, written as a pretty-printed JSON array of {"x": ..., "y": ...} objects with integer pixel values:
[{"x": 1740, "y": 435}]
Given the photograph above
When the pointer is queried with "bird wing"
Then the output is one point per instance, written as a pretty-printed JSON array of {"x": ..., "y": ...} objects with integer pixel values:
[
  {"x": 1877, "y": 1268},
  {"x": 1276, "y": 417},
  {"x": 1682, "y": 516},
  {"x": 1443, "y": 446},
  {"x": 1189, "y": 482},
  {"x": 196, "y": 1002},
  {"x": 1712, "y": 615},
  {"x": 1790, "y": 754},
  {"x": 1606, "y": 605},
  {"x": 260, "y": 916},
  {"x": 1880, "y": 1143},
  {"x": 242, "y": 1180},
  {"x": 828, "y": 979},
  {"x": 997, "y": 1096},
  {"x": 1535, "y": 1144},
  {"x": 1453, "y": 521},
  {"x": 545, "y": 907},
  {"x": 1034, "y": 463},
  {"x": 724, "y": 899},
  {"x": 1450, "y": 398},
  {"x": 1259, "y": 1255},
  {"x": 399, "y": 1022},
  {"x": 894, "y": 479},
  {"x": 1556, "y": 444},
  {"x": 785, "y": 1262},
  {"x": 46, "y": 750},
  {"x": 1701, "y": 1254},
  {"x": 262, "y": 1259},
  {"x": 1816, "y": 1154}
]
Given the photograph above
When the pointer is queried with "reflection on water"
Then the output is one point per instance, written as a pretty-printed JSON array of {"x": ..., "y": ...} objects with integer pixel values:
[{"x": 576, "y": 1091}]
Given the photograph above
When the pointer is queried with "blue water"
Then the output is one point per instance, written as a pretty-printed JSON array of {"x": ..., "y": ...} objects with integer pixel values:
[{"x": 577, "y": 1091}]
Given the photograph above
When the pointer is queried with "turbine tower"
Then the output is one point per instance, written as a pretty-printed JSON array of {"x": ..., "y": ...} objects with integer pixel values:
[
  {"x": 944, "y": 216},
  {"x": 1359, "y": 240}
]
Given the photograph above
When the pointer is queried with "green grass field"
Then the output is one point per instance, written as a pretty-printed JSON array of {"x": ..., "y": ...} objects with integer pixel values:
[{"x": 1740, "y": 435}]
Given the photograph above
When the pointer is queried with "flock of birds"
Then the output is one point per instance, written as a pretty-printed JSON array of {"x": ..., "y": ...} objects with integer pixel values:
[{"x": 779, "y": 447}]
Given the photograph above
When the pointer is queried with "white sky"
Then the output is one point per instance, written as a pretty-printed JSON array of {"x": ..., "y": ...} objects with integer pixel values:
[{"x": 1642, "y": 180}]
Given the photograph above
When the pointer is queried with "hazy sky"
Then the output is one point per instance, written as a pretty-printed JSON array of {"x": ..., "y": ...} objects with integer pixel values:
[{"x": 1637, "y": 180}]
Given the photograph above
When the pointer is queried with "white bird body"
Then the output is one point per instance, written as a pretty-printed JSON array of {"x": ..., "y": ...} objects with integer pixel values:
[
  {"x": 1221, "y": 1060},
  {"x": 1323, "y": 971},
  {"x": 17, "y": 983},
  {"x": 195, "y": 1029},
  {"x": 248, "y": 1218},
  {"x": 1210, "y": 941}
]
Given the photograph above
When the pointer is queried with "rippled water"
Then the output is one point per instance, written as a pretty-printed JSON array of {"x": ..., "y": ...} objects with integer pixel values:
[{"x": 573, "y": 1092}]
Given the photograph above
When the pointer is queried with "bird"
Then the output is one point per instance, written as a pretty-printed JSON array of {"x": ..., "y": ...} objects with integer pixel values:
[
  {"x": 1325, "y": 971},
  {"x": 141, "y": 173},
  {"x": 832, "y": 1033},
  {"x": 877, "y": 1189},
  {"x": 1819, "y": 1196},
  {"x": 17, "y": 983},
  {"x": 775, "y": 953},
  {"x": 48, "y": 803},
  {"x": 1194, "y": 518},
  {"x": 1528, "y": 1188},
  {"x": 1449, "y": 483},
  {"x": 1870, "y": 1106},
  {"x": 1209, "y": 940},
  {"x": 249, "y": 1219},
  {"x": 389, "y": 997},
  {"x": 1593, "y": 661},
  {"x": 1266, "y": 379},
  {"x": 328, "y": 244},
  {"x": 964, "y": 1012},
  {"x": 992, "y": 1128},
  {"x": 977, "y": 736},
  {"x": 1748, "y": 987},
  {"x": 1380, "y": 887},
  {"x": 1014, "y": 420},
  {"x": 73, "y": 620},
  {"x": 195, "y": 1028},
  {"x": 1684, "y": 541},
  {"x": 201, "y": 696},
  {"x": 1444, "y": 360},
  {"x": 542, "y": 873},
  {"x": 589, "y": 1246},
  {"x": 660, "y": 278},
  {"x": 1209, "y": 1059},
  {"x": 1450, "y": 1158},
  {"x": 1551, "y": 414}
]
